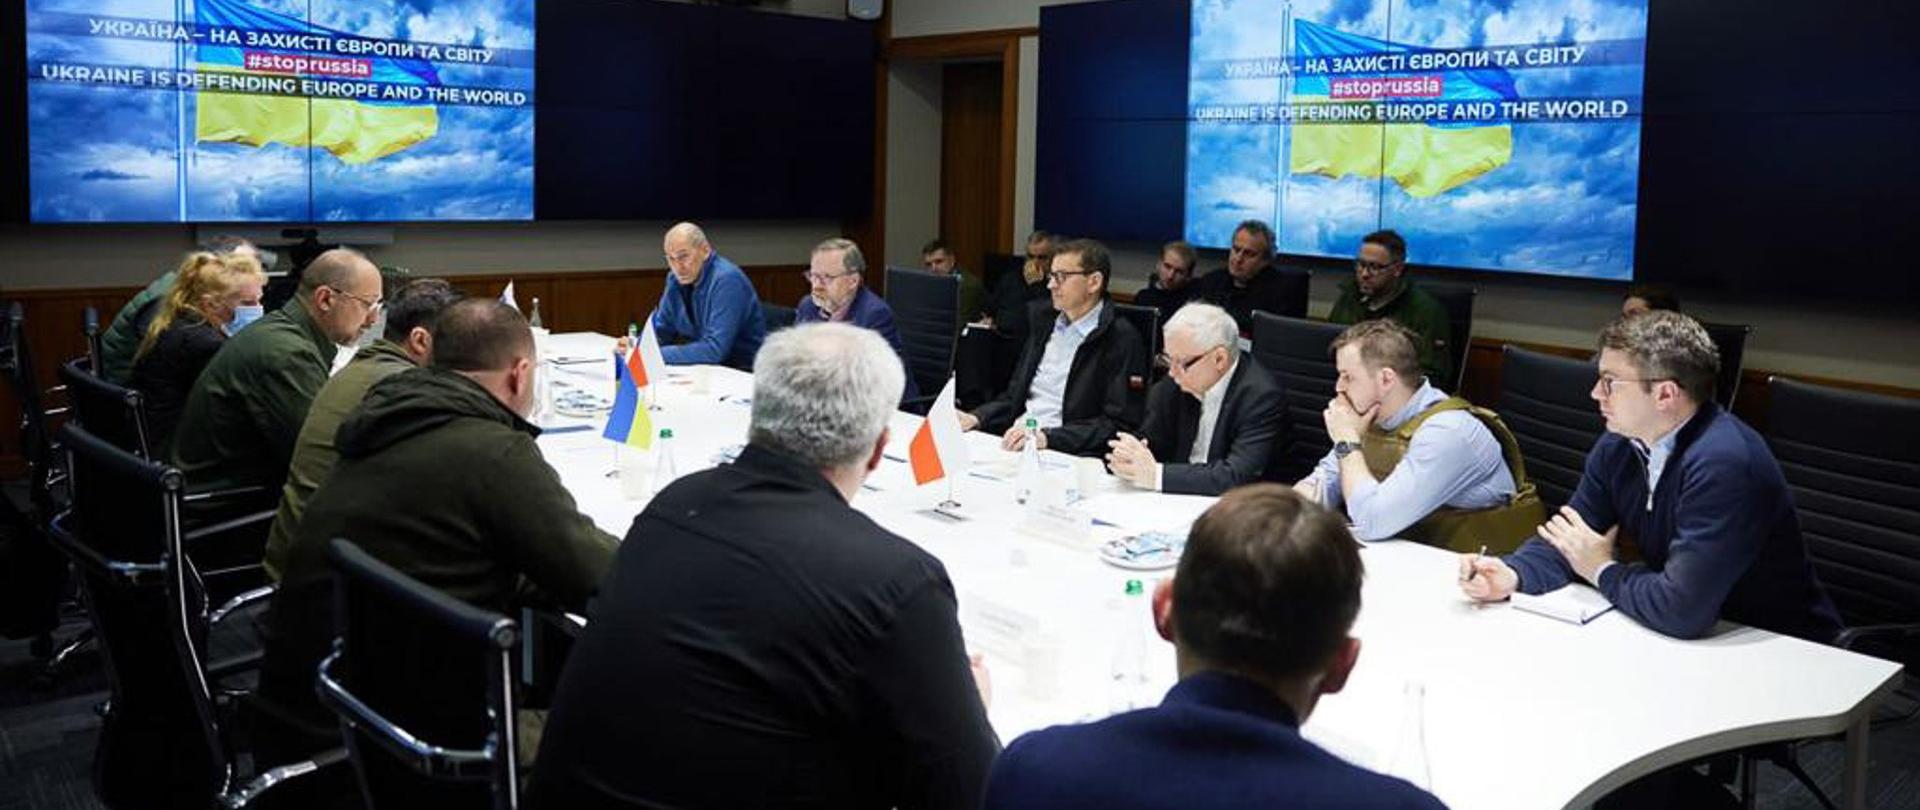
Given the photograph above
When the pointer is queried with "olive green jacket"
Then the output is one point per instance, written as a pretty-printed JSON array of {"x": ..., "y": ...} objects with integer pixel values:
[{"x": 241, "y": 420}]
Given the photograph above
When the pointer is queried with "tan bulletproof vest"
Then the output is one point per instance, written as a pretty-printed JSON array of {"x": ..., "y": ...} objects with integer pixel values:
[{"x": 1500, "y": 528}]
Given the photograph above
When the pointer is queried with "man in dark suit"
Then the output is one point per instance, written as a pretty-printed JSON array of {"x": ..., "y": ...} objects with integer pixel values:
[
  {"x": 1213, "y": 422},
  {"x": 1250, "y": 281},
  {"x": 1259, "y": 613},
  {"x": 761, "y": 643},
  {"x": 1082, "y": 373}
]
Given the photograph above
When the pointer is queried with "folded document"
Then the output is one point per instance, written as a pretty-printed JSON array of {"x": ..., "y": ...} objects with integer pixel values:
[{"x": 1578, "y": 604}]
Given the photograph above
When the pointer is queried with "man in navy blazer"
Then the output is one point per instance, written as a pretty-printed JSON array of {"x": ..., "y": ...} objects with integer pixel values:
[
  {"x": 1259, "y": 613},
  {"x": 1214, "y": 423},
  {"x": 837, "y": 294}
]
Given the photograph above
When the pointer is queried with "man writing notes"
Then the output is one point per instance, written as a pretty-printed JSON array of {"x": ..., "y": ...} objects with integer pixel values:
[
  {"x": 1689, "y": 485},
  {"x": 1259, "y": 613},
  {"x": 761, "y": 643},
  {"x": 1409, "y": 461},
  {"x": 1212, "y": 424},
  {"x": 1078, "y": 374},
  {"x": 709, "y": 313}
]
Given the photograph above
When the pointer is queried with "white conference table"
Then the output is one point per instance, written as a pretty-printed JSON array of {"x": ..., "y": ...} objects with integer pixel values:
[{"x": 1520, "y": 711}]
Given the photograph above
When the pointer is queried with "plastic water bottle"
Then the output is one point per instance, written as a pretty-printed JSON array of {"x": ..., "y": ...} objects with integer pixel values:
[
  {"x": 1409, "y": 759},
  {"x": 1127, "y": 688},
  {"x": 1028, "y": 478},
  {"x": 663, "y": 466},
  {"x": 534, "y": 319}
]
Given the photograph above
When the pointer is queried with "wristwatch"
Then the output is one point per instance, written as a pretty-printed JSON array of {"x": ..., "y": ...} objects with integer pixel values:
[{"x": 1341, "y": 449}]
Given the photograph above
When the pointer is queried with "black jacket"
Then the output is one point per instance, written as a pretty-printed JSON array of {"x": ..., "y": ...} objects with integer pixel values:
[
  {"x": 166, "y": 373},
  {"x": 1281, "y": 292},
  {"x": 1104, "y": 386},
  {"x": 759, "y": 643},
  {"x": 1246, "y": 434}
]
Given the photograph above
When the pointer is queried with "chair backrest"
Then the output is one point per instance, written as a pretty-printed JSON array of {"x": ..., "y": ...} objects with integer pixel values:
[
  {"x": 90, "y": 327},
  {"x": 1145, "y": 321},
  {"x": 398, "y": 639},
  {"x": 996, "y": 266},
  {"x": 1458, "y": 301},
  {"x": 1731, "y": 340},
  {"x": 926, "y": 310},
  {"x": 112, "y": 412},
  {"x": 36, "y": 445},
  {"x": 162, "y": 736},
  {"x": 1544, "y": 401},
  {"x": 1295, "y": 350},
  {"x": 1852, "y": 460},
  {"x": 778, "y": 316}
]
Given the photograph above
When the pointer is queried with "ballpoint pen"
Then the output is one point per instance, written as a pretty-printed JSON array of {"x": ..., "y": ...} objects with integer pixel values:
[{"x": 1473, "y": 570}]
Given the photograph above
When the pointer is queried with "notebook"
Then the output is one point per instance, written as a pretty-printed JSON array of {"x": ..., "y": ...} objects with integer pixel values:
[{"x": 1577, "y": 604}]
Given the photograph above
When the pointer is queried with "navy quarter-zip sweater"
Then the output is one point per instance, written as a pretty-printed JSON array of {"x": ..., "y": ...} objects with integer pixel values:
[{"x": 1719, "y": 536}]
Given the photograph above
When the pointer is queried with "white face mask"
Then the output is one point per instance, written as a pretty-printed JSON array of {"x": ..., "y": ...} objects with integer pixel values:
[{"x": 244, "y": 314}]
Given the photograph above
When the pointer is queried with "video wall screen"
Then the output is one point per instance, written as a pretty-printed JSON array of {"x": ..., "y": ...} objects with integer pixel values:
[
  {"x": 1497, "y": 136},
  {"x": 280, "y": 110}
]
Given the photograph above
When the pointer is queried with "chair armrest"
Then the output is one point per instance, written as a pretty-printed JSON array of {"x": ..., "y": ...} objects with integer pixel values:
[
  {"x": 245, "y": 521},
  {"x": 213, "y": 496},
  {"x": 1853, "y": 635},
  {"x": 245, "y": 662},
  {"x": 242, "y": 600}
]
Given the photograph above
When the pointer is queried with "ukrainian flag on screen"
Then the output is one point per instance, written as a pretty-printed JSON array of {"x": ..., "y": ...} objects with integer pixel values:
[
  {"x": 1423, "y": 158},
  {"x": 353, "y": 130}
]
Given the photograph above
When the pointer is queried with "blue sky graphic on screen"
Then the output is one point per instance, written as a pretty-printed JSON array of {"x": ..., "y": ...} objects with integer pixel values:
[
  {"x": 280, "y": 110},
  {"x": 1493, "y": 134}
]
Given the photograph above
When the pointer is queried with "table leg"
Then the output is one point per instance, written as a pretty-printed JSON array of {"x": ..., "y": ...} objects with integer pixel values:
[{"x": 1853, "y": 787}]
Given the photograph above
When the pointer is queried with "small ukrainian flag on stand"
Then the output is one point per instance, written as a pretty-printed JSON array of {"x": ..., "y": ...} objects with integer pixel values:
[{"x": 629, "y": 423}]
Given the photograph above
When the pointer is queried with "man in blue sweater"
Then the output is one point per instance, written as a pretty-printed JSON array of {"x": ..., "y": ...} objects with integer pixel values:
[
  {"x": 1259, "y": 613},
  {"x": 1689, "y": 486},
  {"x": 709, "y": 314}
]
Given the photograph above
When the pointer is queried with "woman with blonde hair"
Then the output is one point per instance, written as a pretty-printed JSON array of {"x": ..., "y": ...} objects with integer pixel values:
[{"x": 213, "y": 296}]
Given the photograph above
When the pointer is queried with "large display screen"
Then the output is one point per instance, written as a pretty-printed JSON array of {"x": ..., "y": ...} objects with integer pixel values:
[
  {"x": 280, "y": 110},
  {"x": 1492, "y": 135}
]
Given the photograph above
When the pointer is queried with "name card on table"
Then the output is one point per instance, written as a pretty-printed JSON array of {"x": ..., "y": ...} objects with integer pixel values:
[{"x": 1049, "y": 516}]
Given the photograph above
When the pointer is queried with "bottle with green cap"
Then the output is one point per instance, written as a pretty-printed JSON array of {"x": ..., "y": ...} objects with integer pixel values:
[
  {"x": 1130, "y": 616},
  {"x": 1027, "y": 480},
  {"x": 663, "y": 467}
]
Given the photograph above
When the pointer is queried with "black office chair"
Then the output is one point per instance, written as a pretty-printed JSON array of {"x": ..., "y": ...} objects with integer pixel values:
[
  {"x": 926, "y": 309},
  {"x": 33, "y": 583},
  {"x": 778, "y": 317},
  {"x": 1852, "y": 461},
  {"x": 1296, "y": 351},
  {"x": 399, "y": 639},
  {"x": 1458, "y": 301},
  {"x": 111, "y": 412},
  {"x": 167, "y": 738},
  {"x": 1146, "y": 322},
  {"x": 1544, "y": 401},
  {"x": 1731, "y": 340}
]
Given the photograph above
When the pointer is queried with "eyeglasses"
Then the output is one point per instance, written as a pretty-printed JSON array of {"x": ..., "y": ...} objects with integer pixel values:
[
  {"x": 1370, "y": 268},
  {"x": 1182, "y": 366},
  {"x": 1060, "y": 276},
  {"x": 371, "y": 304},
  {"x": 822, "y": 278},
  {"x": 1607, "y": 381}
]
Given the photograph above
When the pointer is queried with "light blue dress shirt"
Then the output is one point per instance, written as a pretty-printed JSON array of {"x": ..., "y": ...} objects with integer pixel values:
[
  {"x": 1453, "y": 460},
  {"x": 1049, "y": 388}
]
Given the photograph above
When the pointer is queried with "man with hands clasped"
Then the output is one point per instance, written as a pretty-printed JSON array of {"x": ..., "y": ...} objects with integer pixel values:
[
  {"x": 1410, "y": 462},
  {"x": 1213, "y": 422},
  {"x": 1689, "y": 485}
]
